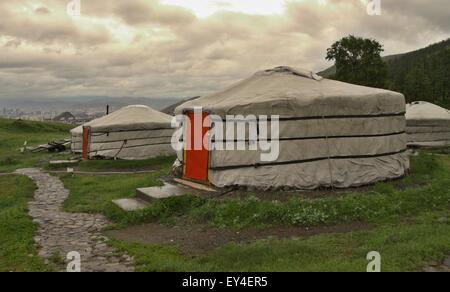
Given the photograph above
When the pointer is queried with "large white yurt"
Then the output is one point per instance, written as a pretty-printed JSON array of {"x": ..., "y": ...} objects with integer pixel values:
[
  {"x": 427, "y": 125},
  {"x": 331, "y": 134},
  {"x": 131, "y": 133}
]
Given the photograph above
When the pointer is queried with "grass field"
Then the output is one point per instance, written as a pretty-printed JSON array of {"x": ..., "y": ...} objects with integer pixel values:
[
  {"x": 410, "y": 219},
  {"x": 407, "y": 220},
  {"x": 382, "y": 202},
  {"x": 13, "y": 134},
  {"x": 17, "y": 250},
  {"x": 404, "y": 247}
]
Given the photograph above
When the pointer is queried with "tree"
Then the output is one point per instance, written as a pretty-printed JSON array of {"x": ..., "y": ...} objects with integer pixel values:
[{"x": 359, "y": 61}]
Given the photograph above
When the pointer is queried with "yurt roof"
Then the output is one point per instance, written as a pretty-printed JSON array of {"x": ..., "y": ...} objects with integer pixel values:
[
  {"x": 133, "y": 117},
  {"x": 77, "y": 131},
  {"x": 287, "y": 91},
  {"x": 422, "y": 110}
]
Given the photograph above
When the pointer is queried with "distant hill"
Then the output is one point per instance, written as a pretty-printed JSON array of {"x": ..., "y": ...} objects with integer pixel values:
[
  {"x": 420, "y": 75},
  {"x": 329, "y": 72},
  {"x": 88, "y": 104}
]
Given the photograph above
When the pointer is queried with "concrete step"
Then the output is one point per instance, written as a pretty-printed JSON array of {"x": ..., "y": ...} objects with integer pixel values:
[
  {"x": 164, "y": 192},
  {"x": 130, "y": 205}
]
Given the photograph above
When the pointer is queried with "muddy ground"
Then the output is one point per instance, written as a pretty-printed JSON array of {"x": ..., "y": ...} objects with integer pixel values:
[{"x": 197, "y": 239}]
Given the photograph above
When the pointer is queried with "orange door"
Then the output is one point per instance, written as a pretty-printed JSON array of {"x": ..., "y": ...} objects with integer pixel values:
[
  {"x": 196, "y": 160},
  {"x": 85, "y": 143}
]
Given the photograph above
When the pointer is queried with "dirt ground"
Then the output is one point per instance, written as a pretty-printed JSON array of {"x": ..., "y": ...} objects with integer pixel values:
[{"x": 197, "y": 239}]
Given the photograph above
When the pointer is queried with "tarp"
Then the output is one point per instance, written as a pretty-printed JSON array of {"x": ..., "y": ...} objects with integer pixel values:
[
  {"x": 133, "y": 132},
  {"x": 428, "y": 125},
  {"x": 282, "y": 91},
  {"x": 331, "y": 133}
]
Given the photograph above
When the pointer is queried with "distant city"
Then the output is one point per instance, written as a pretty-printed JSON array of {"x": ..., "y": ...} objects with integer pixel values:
[
  {"x": 75, "y": 110},
  {"x": 75, "y": 117}
]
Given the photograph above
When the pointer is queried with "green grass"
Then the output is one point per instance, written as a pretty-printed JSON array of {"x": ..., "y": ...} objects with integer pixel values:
[
  {"x": 94, "y": 194},
  {"x": 17, "y": 249},
  {"x": 402, "y": 247},
  {"x": 410, "y": 217},
  {"x": 118, "y": 165},
  {"x": 14, "y": 133},
  {"x": 382, "y": 202}
]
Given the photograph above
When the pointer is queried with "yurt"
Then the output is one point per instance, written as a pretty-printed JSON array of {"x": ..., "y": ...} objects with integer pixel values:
[
  {"x": 427, "y": 125},
  {"x": 76, "y": 135},
  {"x": 331, "y": 134},
  {"x": 131, "y": 133}
]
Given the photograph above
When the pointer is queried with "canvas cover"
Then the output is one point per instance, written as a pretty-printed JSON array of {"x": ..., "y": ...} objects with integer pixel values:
[
  {"x": 428, "y": 125},
  {"x": 331, "y": 133},
  {"x": 76, "y": 135},
  {"x": 132, "y": 133}
]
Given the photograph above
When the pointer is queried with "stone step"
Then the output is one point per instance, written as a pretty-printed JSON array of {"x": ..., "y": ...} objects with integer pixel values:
[
  {"x": 130, "y": 205},
  {"x": 164, "y": 192}
]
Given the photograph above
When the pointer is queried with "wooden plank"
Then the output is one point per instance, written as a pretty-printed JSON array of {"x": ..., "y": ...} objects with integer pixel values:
[
  {"x": 194, "y": 185},
  {"x": 56, "y": 162}
]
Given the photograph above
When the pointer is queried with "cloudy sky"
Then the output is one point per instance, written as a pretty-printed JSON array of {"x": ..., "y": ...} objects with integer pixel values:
[{"x": 179, "y": 48}]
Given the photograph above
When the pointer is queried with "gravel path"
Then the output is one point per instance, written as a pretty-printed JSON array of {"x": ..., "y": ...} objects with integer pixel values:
[{"x": 61, "y": 232}]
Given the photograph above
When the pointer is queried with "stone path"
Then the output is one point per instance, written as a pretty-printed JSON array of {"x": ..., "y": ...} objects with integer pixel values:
[
  {"x": 439, "y": 267},
  {"x": 61, "y": 232}
]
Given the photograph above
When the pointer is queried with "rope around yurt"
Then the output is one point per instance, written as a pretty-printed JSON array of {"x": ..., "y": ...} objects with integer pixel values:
[
  {"x": 121, "y": 148},
  {"x": 330, "y": 167}
]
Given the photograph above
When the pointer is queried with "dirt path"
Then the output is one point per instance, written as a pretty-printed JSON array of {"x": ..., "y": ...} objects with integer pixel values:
[
  {"x": 195, "y": 239},
  {"x": 61, "y": 232}
]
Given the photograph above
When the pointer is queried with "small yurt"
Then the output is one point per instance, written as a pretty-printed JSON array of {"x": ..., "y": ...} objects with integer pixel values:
[
  {"x": 131, "y": 133},
  {"x": 427, "y": 125},
  {"x": 331, "y": 134}
]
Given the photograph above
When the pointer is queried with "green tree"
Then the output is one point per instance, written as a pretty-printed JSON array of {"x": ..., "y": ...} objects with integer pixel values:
[{"x": 358, "y": 61}]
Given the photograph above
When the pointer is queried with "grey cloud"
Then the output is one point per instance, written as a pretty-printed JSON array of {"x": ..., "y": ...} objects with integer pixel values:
[{"x": 171, "y": 52}]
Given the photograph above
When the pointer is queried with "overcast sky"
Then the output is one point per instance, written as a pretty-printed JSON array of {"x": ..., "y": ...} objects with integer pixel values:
[{"x": 179, "y": 48}]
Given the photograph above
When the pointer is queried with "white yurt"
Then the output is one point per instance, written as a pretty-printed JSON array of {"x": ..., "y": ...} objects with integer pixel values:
[
  {"x": 76, "y": 135},
  {"x": 131, "y": 133},
  {"x": 331, "y": 134},
  {"x": 427, "y": 125}
]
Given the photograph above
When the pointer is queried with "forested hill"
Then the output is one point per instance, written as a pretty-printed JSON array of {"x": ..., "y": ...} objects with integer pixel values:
[
  {"x": 420, "y": 75},
  {"x": 423, "y": 74}
]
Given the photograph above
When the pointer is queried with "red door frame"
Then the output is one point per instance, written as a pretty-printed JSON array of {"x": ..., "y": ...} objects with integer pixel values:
[
  {"x": 196, "y": 162},
  {"x": 86, "y": 136}
]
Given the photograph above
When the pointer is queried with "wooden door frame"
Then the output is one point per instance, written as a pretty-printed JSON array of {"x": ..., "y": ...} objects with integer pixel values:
[{"x": 186, "y": 112}]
